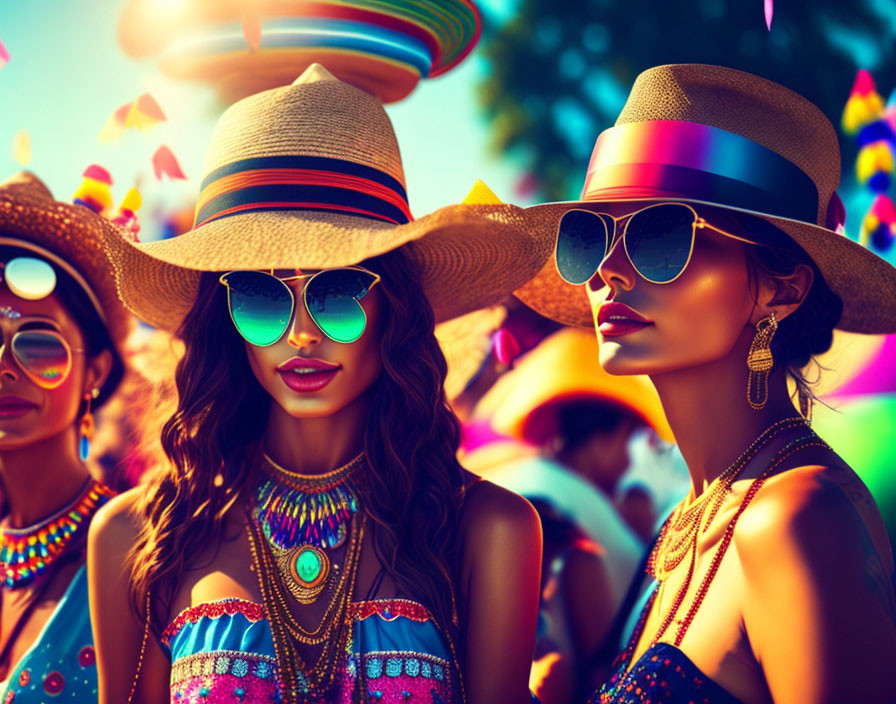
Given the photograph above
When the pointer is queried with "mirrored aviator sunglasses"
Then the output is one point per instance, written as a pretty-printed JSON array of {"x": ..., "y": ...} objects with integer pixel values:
[
  {"x": 261, "y": 304},
  {"x": 43, "y": 355},
  {"x": 658, "y": 241}
]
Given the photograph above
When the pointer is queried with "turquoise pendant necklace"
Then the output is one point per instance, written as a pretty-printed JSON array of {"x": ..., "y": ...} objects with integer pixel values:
[{"x": 302, "y": 517}]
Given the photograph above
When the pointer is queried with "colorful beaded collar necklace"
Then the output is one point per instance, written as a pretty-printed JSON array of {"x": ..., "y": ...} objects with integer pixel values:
[
  {"x": 302, "y": 517},
  {"x": 25, "y": 553}
]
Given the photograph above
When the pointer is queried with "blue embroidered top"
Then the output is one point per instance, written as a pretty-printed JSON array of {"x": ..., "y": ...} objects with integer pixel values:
[
  {"x": 223, "y": 651},
  {"x": 61, "y": 663}
]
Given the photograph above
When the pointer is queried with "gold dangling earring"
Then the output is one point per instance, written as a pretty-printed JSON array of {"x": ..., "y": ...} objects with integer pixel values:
[
  {"x": 760, "y": 362},
  {"x": 87, "y": 426}
]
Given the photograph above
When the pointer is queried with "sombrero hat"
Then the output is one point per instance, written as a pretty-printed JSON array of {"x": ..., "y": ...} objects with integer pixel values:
[
  {"x": 309, "y": 176},
  {"x": 563, "y": 369},
  {"x": 716, "y": 136}
]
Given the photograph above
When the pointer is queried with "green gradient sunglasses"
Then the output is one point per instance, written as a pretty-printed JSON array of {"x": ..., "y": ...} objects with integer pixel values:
[{"x": 261, "y": 304}]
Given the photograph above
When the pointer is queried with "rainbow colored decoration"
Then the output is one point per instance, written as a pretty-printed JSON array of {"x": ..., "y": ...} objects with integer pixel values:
[
  {"x": 27, "y": 552},
  {"x": 95, "y": 191},
  {"x": 242, "y": 47},
  {"x": 872, "y": 123},
  {"x": 879, "y": 224}
]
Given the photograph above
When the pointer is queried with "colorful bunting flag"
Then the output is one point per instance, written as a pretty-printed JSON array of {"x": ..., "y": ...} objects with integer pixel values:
[
  {"x": 165, "y": 163},
  {"x": 21, "y": 148}
]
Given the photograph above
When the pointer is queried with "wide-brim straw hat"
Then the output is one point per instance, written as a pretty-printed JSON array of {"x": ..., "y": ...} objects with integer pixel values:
[
  {"x": 716, "y": 136},
  {"x": 309, "y": 176},
  {"x": 563, "y": 369},
  {"x": 69, "y": 236}
]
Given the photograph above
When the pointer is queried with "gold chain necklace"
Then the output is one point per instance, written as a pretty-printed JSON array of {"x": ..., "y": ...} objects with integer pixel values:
[
  {"x": 299, "y": 682},
  {"x": 680, "y": 530}
]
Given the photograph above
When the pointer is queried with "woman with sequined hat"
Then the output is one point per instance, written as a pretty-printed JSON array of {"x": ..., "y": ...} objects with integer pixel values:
[
  {"x": 707, "y": 250},
  {"x": 315, "y": 539},
  {"x": 63, "y": 328}
]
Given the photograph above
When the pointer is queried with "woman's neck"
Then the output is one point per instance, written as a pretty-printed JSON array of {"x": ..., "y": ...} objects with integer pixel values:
[
  {"x": 41, "y": 478},
  {"x": 317, "y": 445},
  {"x": 707, "y": 409}
]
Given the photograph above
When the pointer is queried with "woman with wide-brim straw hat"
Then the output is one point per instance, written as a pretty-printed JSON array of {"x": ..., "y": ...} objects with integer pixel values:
[
  {"x": 62, "y": 358},
  {"x": 315, "y": 538},
  {"x": 707, "y": 250}
]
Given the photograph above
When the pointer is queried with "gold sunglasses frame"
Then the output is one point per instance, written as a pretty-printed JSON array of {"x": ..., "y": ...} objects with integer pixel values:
[
  {"x": 223, "y": 280},
  {"x": 699, "y": 223}
]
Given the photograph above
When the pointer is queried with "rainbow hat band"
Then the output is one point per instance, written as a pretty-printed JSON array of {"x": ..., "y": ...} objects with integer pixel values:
[
  {"x": 382, "y": 46},
  {"x": 297, "y": 182},
  {"x": 715, "y": 136},
  {"x": 675, "y": 159}
]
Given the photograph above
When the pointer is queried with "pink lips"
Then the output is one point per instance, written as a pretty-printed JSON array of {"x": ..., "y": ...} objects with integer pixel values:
[
  {"x": 15, "y": 406},
  {"x": 616, "y": 319},
  {"x": 305, "y": 375}
]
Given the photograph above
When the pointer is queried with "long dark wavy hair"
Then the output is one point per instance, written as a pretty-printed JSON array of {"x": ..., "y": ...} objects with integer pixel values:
[{"x": 411, "y": 492}]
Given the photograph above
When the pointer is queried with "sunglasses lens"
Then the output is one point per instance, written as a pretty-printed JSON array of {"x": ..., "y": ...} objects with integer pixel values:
[
  {"x": 658, "y": 241},
  {"x": 260, "y": 305},
  {"x": 581, "y": 245},
  {"x": 29, "y": 278},
  {"x": 332, "y": 301},
  {"x": 44, "y": 357}
]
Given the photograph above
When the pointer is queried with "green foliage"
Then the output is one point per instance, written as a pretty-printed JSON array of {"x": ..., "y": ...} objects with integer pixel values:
[{"x": 559, "y": 70}]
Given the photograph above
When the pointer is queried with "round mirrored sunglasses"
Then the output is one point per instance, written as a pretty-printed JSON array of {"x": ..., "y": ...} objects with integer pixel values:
[{"x": 261, "y": 305}]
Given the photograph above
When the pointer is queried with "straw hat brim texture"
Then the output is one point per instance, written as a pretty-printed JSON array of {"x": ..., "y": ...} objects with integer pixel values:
[
  {"x": 865, "y": 282},
  {"x": 73, "y": 233},
  {"x": 468, "y": 256}
]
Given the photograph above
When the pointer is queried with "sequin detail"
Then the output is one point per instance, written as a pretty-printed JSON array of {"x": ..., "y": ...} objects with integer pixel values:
[
  {"x": 223, "y": 676},
  {"x": 665, "y": 675},
  {"x": 389, "y": 610}
]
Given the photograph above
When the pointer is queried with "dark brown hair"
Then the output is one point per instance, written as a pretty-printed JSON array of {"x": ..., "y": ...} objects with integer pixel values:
[{"x": 411, "y": 491}]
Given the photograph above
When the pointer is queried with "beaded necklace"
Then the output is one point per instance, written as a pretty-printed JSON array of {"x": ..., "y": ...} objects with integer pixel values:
[
  {"x": 680, "y": 530},
  {"x": 301, "y": 683},
  {"x": 791, "y": 448},
  {"x": 26, "y": 553},
  {"x": 302, "y": 517}
]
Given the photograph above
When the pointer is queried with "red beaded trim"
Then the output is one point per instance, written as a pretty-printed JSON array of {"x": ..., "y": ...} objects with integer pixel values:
[
  {"x": 213, "y": 609},
  {"x": 389, "y": 610}
]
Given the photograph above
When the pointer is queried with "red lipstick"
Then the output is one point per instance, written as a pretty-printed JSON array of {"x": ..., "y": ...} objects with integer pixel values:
[
  {"x": 305, "y": 375},
  {"x": 15, "y": 406},
  {"x": 616, "y": 319}
]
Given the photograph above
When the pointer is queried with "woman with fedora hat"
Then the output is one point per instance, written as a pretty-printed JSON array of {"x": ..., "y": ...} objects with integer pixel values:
[
  {"x": 708, "y": 252},
  {"x": 315, "y": 539},
  {"x": 61, "y": 358}
]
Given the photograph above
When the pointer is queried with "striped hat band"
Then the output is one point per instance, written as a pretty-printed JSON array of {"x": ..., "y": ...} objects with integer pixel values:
[{"x": 295, "y": 182}]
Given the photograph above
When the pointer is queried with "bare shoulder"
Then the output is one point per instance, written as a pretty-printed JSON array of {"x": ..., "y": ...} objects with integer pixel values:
[
  {"x": 813, "y": 515},
  {"x": 811, "y": 502},
  {"x": 489, "y": 509},
  {"x": 117, "y": 525}
]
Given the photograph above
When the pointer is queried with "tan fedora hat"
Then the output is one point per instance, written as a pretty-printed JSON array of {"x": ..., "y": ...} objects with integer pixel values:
[
  {"x": 309, "y": 176},
  {"x": 716, "y": 136}
]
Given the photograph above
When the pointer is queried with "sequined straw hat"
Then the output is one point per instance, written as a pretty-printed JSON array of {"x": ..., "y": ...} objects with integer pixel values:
[
  {"x": 70, "y": 237},
  {"x": 716, "y": 136},
  {"x": 309, "y": 176}
]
